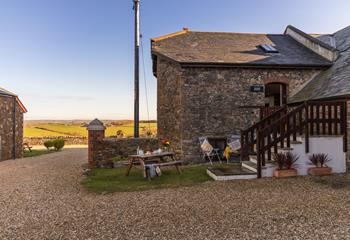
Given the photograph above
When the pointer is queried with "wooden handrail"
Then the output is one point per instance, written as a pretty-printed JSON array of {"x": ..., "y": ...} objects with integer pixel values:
[
  {"x": 249, "y": 135},
  {"x": 311, "y": 118}
]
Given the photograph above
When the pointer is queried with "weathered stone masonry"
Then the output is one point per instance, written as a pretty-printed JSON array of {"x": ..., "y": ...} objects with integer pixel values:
[
  {"x": 101, "y": 149},
  {"x": 6, "y": 128},
  {"x": 208, "y": 101}
]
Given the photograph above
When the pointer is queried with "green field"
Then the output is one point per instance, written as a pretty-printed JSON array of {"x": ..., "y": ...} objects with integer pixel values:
[{"x": 56, "y": 129}]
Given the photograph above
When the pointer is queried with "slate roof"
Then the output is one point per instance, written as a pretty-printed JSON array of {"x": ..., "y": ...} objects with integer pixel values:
[
  {"x": 3, "y": 91},
  {"x": 335, "y": 81},
  {"x": 193, "y": 48}
]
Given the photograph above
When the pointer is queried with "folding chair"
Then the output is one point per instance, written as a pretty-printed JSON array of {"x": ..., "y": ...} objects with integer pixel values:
[
  {"x": 208, "y": 150},
  {"x": 234, "y": 143}
]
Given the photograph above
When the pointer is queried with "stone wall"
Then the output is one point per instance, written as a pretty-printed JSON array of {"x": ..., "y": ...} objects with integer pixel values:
[
  {"x": 194, "y": 102},
  {"x": 169, "y": 108},
  {"x": 294, "y": 79},
  {"x": 6, "y": 129},
  {"x": 69, "y": 140},
  {"x": 108, "y": 148}
]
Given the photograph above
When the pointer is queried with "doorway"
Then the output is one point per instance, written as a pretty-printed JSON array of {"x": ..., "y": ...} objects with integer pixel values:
[{"x": 275, "y": 94}]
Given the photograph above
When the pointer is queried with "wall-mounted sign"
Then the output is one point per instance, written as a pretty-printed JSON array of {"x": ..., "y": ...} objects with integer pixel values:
[{"x": 257, "y": 88}]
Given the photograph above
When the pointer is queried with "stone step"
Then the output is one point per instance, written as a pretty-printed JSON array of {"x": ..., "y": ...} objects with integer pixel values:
[
  {"x": 252, "y": 165},
  {"x": 242, "y": 174}
]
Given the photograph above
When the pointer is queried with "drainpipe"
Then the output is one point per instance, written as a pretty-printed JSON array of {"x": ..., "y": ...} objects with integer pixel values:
[{"x": 14, "y": 128}]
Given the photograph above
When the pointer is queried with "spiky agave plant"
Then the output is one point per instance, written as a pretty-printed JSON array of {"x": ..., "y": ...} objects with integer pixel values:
[
  {"x": 279, "y": 158},
  {"x": 319, "y": 159},
  {"x": 290, "y": 159}
]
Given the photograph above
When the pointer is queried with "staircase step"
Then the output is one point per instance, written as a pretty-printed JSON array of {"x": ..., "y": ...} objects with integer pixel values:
[
  {"x": 250, "y": 166},
  {"x": 254, "y": 160}
]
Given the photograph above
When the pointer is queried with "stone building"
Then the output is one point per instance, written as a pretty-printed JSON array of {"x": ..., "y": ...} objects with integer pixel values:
[
  {"x": 11, "y": 125},
  {"x": 215, "y": 84}
]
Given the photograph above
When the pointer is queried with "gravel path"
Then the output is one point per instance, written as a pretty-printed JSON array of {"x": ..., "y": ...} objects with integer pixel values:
[{"x": 41, "y": 198}]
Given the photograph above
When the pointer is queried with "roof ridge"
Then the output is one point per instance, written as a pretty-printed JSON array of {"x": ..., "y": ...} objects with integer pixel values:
[
  {"x": 186, "y": 30},
  {"x": 6, "y": 92},
  {"x": 310, "y": 37},
  {"x": 243, "y": 33},
  {"x": 170, "y": 35}
]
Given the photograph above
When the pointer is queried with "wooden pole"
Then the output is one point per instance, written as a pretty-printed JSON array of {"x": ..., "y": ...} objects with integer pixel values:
[{"x": 136, "y": 70}]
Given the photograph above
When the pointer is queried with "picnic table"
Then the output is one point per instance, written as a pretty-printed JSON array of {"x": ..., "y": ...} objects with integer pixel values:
[
  {"x": 26, "y": 146},
  {"x": 158, "y": 159}
]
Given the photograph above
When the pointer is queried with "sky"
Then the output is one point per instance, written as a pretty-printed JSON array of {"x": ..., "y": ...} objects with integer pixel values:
[{"x": 73, "y": 59}]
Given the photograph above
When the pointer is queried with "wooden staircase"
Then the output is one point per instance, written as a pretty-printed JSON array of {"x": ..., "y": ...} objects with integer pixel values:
[{"x": 287, "y": 127}]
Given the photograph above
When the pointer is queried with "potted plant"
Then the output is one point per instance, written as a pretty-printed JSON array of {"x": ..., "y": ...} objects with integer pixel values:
[
  {"x": 166, "y": 145},
  {"x": 285, "y": 163},
  {"x": 320, "y": 165}
]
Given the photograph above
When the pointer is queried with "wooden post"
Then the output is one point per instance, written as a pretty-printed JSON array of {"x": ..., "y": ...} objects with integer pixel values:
[
  {"x": 136, "y": 68},
  {"x": 307, "y": 147},
  {"x": 345, "y": 126},
  {"x": 258, "y": 151},
  {"x": 243, "y": 146}
]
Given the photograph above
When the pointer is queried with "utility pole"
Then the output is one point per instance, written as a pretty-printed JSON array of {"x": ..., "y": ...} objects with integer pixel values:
[{"x": 136, "y": 73}]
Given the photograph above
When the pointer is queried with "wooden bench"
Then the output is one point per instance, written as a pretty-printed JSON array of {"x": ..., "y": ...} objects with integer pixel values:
[
  {"x": 26, "y": 146},
  {"x": 173, "y": 163},
  {"x": 156, "y": 159}
]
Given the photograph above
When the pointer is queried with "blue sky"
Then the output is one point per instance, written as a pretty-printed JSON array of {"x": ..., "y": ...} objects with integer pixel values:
[{"x": 73, "y": 59}]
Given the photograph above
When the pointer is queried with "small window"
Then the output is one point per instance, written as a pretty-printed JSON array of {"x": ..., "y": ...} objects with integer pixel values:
[{"x": 268, "y": 48}]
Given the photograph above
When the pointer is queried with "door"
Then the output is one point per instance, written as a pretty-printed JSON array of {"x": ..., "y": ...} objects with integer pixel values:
[{"x": 275, "y": 94}]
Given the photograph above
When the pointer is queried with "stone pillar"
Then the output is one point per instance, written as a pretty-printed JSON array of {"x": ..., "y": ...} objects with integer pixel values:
[{"x": 96, "y": 132}]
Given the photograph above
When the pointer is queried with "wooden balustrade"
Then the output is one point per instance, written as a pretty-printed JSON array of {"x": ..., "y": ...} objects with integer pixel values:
[
  {"x": 249, "y": 135},
  {"x": 283, "y": 126},
  {"x": 267, "y": 111}
]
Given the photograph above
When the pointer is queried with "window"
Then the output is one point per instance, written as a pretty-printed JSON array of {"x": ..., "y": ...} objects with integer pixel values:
[{"x": 268, "y": 48}]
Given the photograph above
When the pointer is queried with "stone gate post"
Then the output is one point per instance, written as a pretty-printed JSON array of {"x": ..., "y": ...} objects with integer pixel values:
[{"x": 96, "y": 132}]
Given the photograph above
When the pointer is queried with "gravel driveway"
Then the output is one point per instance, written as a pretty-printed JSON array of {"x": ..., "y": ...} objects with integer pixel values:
[{"x": 41, "y": 198}]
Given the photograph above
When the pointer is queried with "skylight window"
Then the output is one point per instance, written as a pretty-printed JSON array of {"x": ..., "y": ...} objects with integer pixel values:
[{"x": 268, "y": 48}]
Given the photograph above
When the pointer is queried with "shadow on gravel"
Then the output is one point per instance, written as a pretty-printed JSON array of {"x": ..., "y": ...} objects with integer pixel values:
[{"x": 341, "y": 181}]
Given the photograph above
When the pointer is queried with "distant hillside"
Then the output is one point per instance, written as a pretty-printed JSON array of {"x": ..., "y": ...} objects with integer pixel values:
[{"x": 59, "y": 128}]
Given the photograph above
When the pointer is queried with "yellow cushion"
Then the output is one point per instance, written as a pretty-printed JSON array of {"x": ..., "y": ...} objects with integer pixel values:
[{"x": 206, "y": 146}]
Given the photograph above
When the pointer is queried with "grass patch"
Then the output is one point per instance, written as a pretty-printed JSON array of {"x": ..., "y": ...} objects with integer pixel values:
[
  {"x": 35, "y": 152},
  {"x": 114, "y": 180}
]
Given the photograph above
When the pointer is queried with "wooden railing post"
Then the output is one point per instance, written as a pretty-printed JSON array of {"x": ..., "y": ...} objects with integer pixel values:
[
  {"x": 258, "y": 151},
  {"x": 345, "y": 126},
  {"x": 243, "y": 146},
  {"x": 307, "y": 147}
]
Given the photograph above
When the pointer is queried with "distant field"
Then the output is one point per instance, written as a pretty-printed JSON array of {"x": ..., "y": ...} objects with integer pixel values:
[{"x": 57, "y": 129}]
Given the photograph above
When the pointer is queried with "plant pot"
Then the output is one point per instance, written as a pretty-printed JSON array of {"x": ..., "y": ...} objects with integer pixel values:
[
  {"x": 319, "y": 171},
  {"x": 285, "y": 173}
]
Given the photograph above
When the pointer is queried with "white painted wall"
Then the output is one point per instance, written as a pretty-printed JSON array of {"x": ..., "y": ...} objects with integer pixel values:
[{"x": 333, "y": 146}]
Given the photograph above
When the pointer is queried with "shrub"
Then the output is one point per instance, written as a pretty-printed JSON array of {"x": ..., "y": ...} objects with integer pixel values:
[
  {"x": 58, "y": 144},
  {"x": 285, "y": 160},
  {"x": 319, "y": 160},
  {"x": 48, "y": 144},
  {"x": 120, "y": 134},
  {"x": 149, "y": 133}
]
